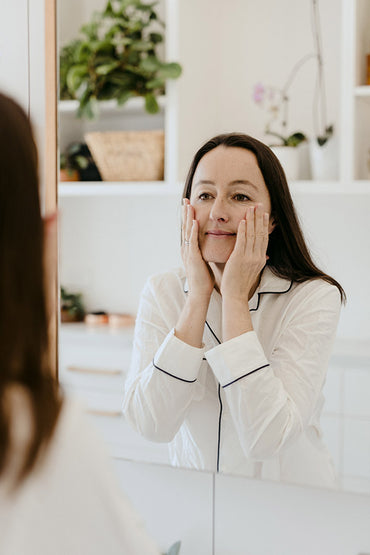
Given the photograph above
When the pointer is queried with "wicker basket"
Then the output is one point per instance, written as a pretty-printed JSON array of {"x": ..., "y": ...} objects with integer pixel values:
[{"x": 128, "y": 155}]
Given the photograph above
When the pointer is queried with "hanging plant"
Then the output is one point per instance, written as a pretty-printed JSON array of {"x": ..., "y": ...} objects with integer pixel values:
[{"x": 116, "y": 58}]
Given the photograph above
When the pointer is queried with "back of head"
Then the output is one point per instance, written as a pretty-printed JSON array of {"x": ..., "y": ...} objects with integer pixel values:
[
  {"x": 23, "y": 316},
  {"x": 22, "y": 303}
]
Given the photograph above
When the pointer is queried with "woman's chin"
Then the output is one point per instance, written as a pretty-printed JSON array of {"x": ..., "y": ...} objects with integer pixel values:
[{"x": 216, "y": 256}]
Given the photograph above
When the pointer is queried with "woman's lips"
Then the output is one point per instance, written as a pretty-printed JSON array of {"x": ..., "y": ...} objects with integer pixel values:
[{"x": 220, "y": 233}]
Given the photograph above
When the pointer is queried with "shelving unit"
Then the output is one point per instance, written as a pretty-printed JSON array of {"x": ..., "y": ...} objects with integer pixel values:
[
  {"x": 354, "y": 174},
  {"x": 355, "y": 149}
]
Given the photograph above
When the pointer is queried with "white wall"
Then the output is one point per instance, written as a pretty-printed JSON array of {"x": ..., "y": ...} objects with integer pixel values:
[
  {"x": 14, "y": 51},
  {"x": 232, "y": 45}
]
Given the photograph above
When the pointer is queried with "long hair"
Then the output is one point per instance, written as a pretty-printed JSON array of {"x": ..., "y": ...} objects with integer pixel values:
[
  {"x": 288, "y": 254},
  {"x": 24, "y": 348}
]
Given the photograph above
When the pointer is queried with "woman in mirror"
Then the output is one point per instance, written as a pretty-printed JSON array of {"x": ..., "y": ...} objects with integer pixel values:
[
  {"x": 231, "y": 353},
  {"x": 57, "y": 492}
]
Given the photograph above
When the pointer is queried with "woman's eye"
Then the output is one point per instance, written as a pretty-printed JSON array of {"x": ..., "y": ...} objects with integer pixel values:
[
  {"x": 241, "y": 197},
  {"x": 204, "y": 196}
]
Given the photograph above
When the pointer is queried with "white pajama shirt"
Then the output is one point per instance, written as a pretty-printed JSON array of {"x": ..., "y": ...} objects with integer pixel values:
[{"x": 250, "y": 405}]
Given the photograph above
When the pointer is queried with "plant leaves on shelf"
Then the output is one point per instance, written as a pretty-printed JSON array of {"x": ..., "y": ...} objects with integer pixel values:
[
  {"x": 151, "y": 104},
  {"x": 174, "y": 549},
  {"x": 116, "y": 58}
]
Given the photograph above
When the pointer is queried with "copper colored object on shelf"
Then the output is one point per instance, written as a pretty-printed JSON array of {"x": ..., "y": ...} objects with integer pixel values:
[
  {"x": 96, "y": 318},
  {"x": 121, "y": 320}
]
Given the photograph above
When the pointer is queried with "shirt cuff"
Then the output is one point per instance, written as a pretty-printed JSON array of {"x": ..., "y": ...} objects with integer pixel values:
[
  {"x": 237, "y": 358},
  {"x": 178, "y": 359}
]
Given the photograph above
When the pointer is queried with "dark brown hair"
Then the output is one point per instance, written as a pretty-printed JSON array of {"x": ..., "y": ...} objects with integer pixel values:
[
  {"x": 24, "y": 348},
  {"x": 288, "y": 254}
]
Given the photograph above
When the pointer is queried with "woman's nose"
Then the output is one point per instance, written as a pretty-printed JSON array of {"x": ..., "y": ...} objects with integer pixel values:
[{"x": 219, "y": 211}]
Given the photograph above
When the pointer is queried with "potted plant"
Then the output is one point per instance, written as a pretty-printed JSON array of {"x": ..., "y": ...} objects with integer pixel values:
[
  {"x": 116, "y": 58},
  {"x": 71, "y": 162},
  {"x": 276, "y": 102},
  {"x": 71, "y": 306},
  {"x": 324, "y": 155}
]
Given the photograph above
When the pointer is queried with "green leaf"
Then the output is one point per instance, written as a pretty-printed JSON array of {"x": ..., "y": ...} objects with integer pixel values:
[
  {"x": 108, "y": 12},
  {"x": 82, "y": 52},
  {"x": 295, "y": 139},
  {"x": 90, "y": 30},
  {"x": 82, "y": 162},
  {"x": 170, "y": 71},
  {"x": 106, "y": 68},
  {"x": 151, "y": 104},
  {"x": 89, "y": 109},
  {"x": 142, "y": 46},
  {"x": 150, "y": 64},
  {"x": 122, "y": 79},
  {"x": 156, "y": 37},
  {"x": 155, "y": 84},
  {"x": 76, "y": 76},
  {"x": 174, "y": 549},
  {"x": 124, "y": 97}
]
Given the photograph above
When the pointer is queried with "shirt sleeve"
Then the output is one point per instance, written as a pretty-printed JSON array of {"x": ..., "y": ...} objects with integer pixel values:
[
  {"x": 163, "y": 372},
  {"x": 272, "y": 401}
]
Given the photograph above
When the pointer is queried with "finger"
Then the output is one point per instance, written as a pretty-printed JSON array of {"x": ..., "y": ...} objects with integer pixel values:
[
  {"x": 194, "y": 235},
  {"x": 185, "y": 203},
  {"x": 250, "y": 230},
  {"x": 188, "y": 222},
  {"x": 261, "y": 231},
  {"x": 265, "y": 242},
  {"x": 241, "y": 237},
  {"x": 183, "y": 216},
  {"x": 259, "y": 225}
]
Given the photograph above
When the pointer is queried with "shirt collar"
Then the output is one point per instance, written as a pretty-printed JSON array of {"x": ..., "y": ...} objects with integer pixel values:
[{"x": 269, "y": 283}]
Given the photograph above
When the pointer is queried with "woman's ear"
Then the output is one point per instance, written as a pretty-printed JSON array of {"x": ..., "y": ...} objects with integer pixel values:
[{"x": 272, "y": 224}]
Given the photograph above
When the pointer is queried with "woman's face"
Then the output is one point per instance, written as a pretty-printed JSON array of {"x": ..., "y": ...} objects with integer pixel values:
[{"x": 227, "y": 180}]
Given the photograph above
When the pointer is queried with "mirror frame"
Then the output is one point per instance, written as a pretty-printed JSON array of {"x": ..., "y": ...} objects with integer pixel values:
[{"x": 51, "y": 165}]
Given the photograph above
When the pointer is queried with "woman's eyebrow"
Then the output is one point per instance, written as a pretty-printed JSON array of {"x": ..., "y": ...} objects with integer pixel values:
[
  {"x": 204, "y": 182},
  {"x": 243, "y": 182},
  {"x": 234, "y": 182}
]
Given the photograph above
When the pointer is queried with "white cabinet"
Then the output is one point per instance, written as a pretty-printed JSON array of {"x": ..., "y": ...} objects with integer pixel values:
[{"x": 93, "y": 363}]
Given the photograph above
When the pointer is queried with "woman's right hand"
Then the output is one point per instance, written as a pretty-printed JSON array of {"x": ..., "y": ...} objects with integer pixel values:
[{"x": 200, "y": 276}]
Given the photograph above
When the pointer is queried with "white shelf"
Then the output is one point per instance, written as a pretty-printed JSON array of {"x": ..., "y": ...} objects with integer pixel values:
[
  {"x": 330, "y": 187},
  {"x": 109, "y": 189},
  {"x": 363, "y": 93},
  {"x": 135, "y": 104}
]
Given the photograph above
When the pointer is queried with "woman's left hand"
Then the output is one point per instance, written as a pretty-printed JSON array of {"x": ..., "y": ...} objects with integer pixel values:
[{"x": 249, "y": 255}]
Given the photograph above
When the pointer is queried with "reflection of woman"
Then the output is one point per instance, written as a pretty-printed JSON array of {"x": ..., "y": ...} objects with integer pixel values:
[
  {"x": 230, "y": 355},
  {"x": 56, "y": 492}
]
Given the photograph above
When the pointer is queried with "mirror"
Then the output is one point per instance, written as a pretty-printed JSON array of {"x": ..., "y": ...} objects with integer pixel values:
[{"x": 114, "y": 235}]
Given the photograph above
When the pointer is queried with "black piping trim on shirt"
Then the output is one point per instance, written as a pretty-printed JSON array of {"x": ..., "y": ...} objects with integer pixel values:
[
  {"x": 213, "y": 333},
  {"x": 219, "y": 430},
  {"x": 270, "y": 293},
  {"x": 237, "y": 379},
  {"x": 172, "y": 375}
]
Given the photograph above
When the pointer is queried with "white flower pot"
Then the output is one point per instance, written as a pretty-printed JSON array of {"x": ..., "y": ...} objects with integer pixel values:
[
  {"x": 325, "y": 160},
  {"x": 289, "y": 158}
]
